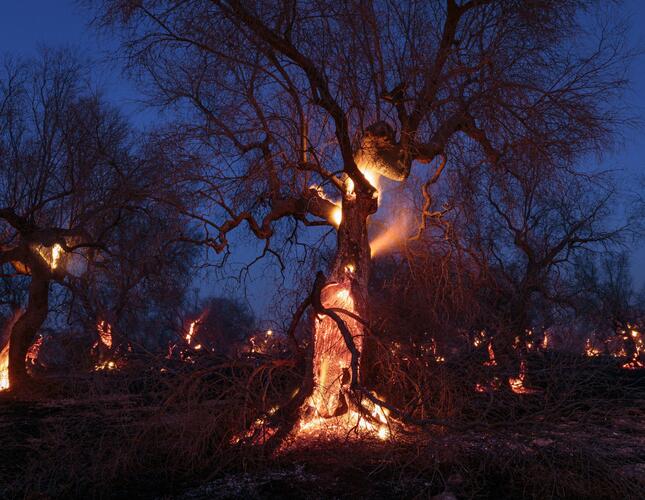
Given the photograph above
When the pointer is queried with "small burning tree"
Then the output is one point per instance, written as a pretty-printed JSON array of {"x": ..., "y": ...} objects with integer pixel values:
[{"x": 300, "y": 109}]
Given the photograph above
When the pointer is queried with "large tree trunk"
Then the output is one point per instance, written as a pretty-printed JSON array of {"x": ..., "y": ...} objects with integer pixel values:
[
  {"x": 346, "y": 289},
  {"x": 25, "y": 329}
]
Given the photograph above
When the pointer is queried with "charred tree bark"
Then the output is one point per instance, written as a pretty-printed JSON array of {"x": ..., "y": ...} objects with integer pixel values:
[{"x": 25, "y": 329}]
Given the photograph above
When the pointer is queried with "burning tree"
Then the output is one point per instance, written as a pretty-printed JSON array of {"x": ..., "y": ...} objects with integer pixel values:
[
  {"x": 299, "y": 109},
  {"x": 66, "y": 181}
]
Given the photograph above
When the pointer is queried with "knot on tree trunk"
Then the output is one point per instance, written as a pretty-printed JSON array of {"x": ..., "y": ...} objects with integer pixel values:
[{"x": 380, "y": 153}]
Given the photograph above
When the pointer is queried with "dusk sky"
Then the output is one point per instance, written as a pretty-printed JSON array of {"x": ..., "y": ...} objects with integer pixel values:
[{"x": 26, "y": 24}]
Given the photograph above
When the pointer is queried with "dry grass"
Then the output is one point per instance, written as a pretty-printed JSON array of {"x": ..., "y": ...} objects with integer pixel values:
[{"x": 147, "y": 433}]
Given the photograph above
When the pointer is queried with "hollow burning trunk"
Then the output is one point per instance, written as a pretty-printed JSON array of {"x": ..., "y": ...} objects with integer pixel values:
[
  {"x": 347, "y": 290},
  {"x": 25, "y": 329}
]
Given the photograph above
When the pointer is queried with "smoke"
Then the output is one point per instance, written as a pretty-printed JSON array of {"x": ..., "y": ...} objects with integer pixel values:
[{"x": 397, "y": 226}]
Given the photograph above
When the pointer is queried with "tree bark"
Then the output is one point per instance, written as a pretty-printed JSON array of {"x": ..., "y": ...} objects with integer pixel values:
[
  {"x": 346, "y": 289},
  {"x": 25, "y": 329}
]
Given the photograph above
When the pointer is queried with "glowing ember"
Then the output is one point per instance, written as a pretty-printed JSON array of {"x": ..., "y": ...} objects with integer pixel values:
[
  {"x": 4, "y": 368},
  {"x": 545, "y": 341},
  {"x": 104, "y": 330}
]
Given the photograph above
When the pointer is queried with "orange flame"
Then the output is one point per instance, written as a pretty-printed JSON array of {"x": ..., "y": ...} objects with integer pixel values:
[
  {"x": 53, "y": 256},
  {"x": 491, "y": 356},
  {"x": 337, "y": 215},
  {"x": 104, "y": 330},
  {"x": 635, "y": 363},
  {"x": 327, "y": 408},
  {"x": 34, "y": 351},
  {"x": 590, "y": 350},
  {"x": 517, "y": 384},
  {"x": 4, "y": 353},
  {"x": 4, "y": 368}
]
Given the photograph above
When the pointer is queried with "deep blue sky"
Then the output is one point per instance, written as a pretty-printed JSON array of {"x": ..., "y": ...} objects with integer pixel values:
[{"x": 26, "y": 24}]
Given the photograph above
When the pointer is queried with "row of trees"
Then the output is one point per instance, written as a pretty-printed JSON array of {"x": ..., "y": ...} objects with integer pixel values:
[{"x": 485, "y": 112}]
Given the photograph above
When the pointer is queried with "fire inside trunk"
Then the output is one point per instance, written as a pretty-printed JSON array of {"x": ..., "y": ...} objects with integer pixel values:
[{"x": 332, "y": 408}]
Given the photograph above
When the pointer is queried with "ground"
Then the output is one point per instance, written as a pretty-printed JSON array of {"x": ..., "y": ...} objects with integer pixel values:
[{"x": 128, "y": 442}]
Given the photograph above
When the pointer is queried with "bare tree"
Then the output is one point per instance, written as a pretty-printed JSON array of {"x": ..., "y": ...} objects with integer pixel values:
[
  {"x": 282, "y": 97},
  {"x": 66, "y": 181},
  {"x": 529, "y": 227}
]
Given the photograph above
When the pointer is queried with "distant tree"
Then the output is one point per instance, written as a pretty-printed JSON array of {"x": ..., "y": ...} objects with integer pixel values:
[
  {"x": 140, "y": 286},
  {"x": 608, "y": 303},
  {"x": 223, "y": 325},
  {"x": 528, "y": 227}
]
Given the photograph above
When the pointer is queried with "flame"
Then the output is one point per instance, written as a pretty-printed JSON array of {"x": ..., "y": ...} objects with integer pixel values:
[
  {"x": 4, "y": 368},
  {"x": 370, "y": 176},
  {"x": 491, "y": 356},
  {"x": 590, "y": 350},
  {"x": 106, "y": 365},
  {"x": 53, "y": 256},
  {"x": 329, "y": 410},
  {"x": 57, "y": 250},
  {"x": 545, "y": 341},
  {"x": 635, "y": 363},
  {"x": 34, "y": 351},
  {"x": 191, "y": 331},
  {"x": 517, "y": 384},
  {"x": 104, "y": 330},
  {"x": 337, "y": 215},
  {"x": 4, "y": 353}
]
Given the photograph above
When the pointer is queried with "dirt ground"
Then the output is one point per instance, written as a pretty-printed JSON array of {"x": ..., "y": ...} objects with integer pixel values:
[{"x": 95, "y": 448}]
